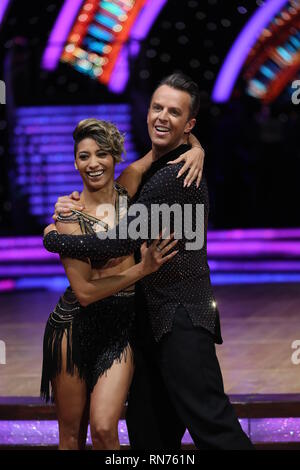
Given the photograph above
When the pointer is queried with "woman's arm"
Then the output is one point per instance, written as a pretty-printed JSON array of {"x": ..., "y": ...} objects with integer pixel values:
[
  {"x": 194, "y": 142},
  {"x": 79, "y": 273},
  {"x": 88, "y": 290},
  {"x": 193, "y": 161},
  {"x": 131, "y": 177}
]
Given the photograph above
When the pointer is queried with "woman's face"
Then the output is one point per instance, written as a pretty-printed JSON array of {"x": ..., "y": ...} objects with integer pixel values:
[{"x": 96, "y": 166}]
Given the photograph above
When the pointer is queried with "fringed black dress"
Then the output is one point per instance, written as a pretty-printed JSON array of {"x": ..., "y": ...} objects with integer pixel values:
[{"x": 96, "y": 335}]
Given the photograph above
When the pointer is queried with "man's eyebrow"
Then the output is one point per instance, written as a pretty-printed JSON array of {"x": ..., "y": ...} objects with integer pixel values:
[
  {"x": 175, "y": 109},
  {"x": 171, "y": 107}
]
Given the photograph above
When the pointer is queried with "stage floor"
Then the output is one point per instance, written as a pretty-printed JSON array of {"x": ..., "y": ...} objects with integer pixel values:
[{"x": 259, "y": 324}]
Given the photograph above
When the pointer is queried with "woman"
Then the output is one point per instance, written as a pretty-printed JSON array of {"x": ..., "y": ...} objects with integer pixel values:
[{"x": 87, "y": 356}]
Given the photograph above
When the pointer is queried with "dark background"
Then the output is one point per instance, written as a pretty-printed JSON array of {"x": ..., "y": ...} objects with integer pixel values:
[{"x": 252, "y": 151}]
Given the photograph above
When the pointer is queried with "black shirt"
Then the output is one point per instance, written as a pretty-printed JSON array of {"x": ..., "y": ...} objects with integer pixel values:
[{"x": 184, "y": 280}]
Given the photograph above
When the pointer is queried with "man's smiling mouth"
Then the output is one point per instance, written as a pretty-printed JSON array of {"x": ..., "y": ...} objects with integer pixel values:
[{"x": 162, "y": 129}]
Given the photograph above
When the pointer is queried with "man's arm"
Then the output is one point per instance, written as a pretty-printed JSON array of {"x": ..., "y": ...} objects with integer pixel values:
[
  {"x": 90, "y": 246},
  {"x": 89, "y": 290},
  {"x": 119, "y": 241}
]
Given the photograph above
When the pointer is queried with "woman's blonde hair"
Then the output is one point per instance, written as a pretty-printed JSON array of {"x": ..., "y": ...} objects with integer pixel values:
[{"x": 105, "y": 134}]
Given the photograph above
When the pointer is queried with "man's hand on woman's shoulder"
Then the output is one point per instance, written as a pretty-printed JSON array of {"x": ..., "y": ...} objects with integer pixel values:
[{"x": 65, "y": 204}]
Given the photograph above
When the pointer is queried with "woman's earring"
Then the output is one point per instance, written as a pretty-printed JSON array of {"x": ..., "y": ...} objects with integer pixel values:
[{"x": 76, "y": 167}]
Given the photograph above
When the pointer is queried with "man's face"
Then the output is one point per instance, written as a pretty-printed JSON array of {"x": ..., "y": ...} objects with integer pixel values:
[{"x": 168, "y": 118}]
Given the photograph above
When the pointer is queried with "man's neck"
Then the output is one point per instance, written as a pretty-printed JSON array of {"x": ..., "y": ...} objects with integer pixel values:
[{"x": 158, "y": 151}]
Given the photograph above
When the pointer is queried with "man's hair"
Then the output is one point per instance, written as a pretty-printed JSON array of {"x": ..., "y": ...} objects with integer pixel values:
[
  {"x": 182, "y": 82},
  {"x": 104, "y": 133}
]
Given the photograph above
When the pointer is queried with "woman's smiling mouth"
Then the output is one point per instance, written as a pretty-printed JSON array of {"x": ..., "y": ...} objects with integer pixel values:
[{"x": 95, "y": 174}]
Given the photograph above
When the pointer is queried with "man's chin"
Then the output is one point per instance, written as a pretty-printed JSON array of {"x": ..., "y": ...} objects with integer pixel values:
[{"x": 161, "y": 143}]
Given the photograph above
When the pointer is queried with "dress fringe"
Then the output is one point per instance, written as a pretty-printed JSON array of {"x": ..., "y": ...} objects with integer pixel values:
[
  {"x": 96, "y": 337},
  {"x": 52, "y": 358}
]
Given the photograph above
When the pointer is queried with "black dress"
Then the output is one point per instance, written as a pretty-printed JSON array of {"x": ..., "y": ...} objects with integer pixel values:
[{"x": 96, "y": 335}]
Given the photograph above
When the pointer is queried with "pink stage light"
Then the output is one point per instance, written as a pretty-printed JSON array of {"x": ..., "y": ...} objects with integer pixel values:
[
  {"x": 7, "y": 285},
  {"x": 60, "y": 33},
  {"x": 3, "y": 7}
]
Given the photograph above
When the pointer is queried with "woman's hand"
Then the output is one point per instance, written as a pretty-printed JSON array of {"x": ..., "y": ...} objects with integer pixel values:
[
  {"x": 65, "y": 204},
  {"x": 194, "y": 159},
  {"x": 49, "y": 228},
  {"x": 154, "y": 256}
]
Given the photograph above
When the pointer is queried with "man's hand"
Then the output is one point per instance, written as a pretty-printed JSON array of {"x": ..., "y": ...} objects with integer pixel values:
[
  {"x": 65, "y": 204},
  {"x": 194, "y": 159},
  {"x": 49, "y": 228},
  {"x": 154, "y": 256}
]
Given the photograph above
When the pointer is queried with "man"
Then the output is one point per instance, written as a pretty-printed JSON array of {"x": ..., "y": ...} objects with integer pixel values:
[{"x": 178, "y": 382}]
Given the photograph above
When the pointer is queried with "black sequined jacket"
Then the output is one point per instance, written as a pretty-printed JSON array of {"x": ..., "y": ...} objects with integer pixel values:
[{"x": 185, "y": 280}]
